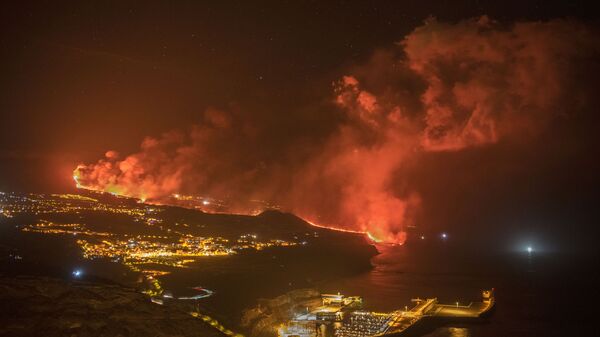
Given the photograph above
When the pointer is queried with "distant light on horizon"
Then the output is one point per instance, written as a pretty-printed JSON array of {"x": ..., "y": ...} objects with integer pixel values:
[
  {"x": 77, "y": 273},
  {"x": 530, "y": 245},
  {"x": 444, "y": 235}
]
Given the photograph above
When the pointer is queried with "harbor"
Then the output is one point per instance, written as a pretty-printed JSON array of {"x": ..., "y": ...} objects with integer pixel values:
[{"x": 341, "y": 316}]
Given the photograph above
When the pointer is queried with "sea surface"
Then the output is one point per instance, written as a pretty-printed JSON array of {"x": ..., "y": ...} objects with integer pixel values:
[{"x": 537, "y": 293}]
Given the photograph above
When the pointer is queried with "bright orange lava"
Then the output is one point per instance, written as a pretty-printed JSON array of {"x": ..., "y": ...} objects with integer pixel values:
[{"x": 369, "y": 236}]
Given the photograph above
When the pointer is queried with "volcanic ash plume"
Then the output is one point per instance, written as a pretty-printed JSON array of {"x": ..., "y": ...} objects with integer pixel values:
[
  {"x": 485, "y": 82},
  {"x": 443, "y": 88},
  {"x": 448, "y": 87},
  {"x": 352, "y": 181}
]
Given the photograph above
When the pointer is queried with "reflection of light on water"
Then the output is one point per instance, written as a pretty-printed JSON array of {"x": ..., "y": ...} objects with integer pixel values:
[{"x": 458, "y": 332}]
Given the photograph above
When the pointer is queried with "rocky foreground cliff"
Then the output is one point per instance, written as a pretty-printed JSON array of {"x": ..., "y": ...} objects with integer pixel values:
[
  {"x": 263, "y": 320},
  {"x": 54, "y": 307}
]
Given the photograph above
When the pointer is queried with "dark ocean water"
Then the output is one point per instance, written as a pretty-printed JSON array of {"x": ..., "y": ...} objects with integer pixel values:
[{"x": 538, "y": 294}]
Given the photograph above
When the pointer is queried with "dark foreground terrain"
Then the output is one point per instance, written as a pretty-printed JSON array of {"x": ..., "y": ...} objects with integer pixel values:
[{"x": 53, "y": 307}]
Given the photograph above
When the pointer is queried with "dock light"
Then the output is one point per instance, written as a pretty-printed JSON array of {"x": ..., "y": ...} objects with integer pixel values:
[
  {"x": 77, "y": 273},
  {"x": 205, "y": 202},
  {"x": 529, "y": 249}
]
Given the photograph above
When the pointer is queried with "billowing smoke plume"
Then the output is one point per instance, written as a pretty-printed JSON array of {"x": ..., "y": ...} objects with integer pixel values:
[
  {"x": 353, "y": 180},
  {"x": 206, "y": 159},
  {"x": 443, "y": 88},
  {"x": 484, "y": 84}
]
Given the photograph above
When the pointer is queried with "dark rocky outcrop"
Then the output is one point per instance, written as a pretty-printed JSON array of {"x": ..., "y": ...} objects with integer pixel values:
[{"x": 263, "y": 319}]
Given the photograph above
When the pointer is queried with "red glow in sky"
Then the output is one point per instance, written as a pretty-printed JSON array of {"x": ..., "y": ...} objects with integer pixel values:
[{"x": 444, "y": 88}]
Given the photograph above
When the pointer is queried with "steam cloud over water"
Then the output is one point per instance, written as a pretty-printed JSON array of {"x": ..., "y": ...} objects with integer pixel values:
[{"x": 443, "y": 88}]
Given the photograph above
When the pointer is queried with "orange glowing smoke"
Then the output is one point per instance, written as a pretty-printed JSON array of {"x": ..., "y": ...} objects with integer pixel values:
[{"x": 443, "y": 88}]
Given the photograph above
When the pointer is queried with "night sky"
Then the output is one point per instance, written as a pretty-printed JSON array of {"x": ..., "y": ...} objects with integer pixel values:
[{"x": 81, "y": 78}]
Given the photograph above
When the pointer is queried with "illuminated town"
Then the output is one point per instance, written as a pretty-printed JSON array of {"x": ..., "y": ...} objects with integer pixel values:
[{"x": 152, "y": 255}]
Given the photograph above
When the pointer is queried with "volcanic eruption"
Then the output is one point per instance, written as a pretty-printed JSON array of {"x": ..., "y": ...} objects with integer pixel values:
[{"x": 444, "y": 88}]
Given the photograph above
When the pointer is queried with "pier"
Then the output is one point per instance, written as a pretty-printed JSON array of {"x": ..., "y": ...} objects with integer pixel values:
[
  {"x": 430, "y": 308},
  {"x": 339, "y": 317}
]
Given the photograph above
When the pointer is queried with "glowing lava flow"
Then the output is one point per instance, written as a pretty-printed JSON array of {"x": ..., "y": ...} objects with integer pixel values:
[
  {"x": 370, "y": 236},
  {"x": 335, "y": 228},
  {"x": 76, "y": 178}
]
